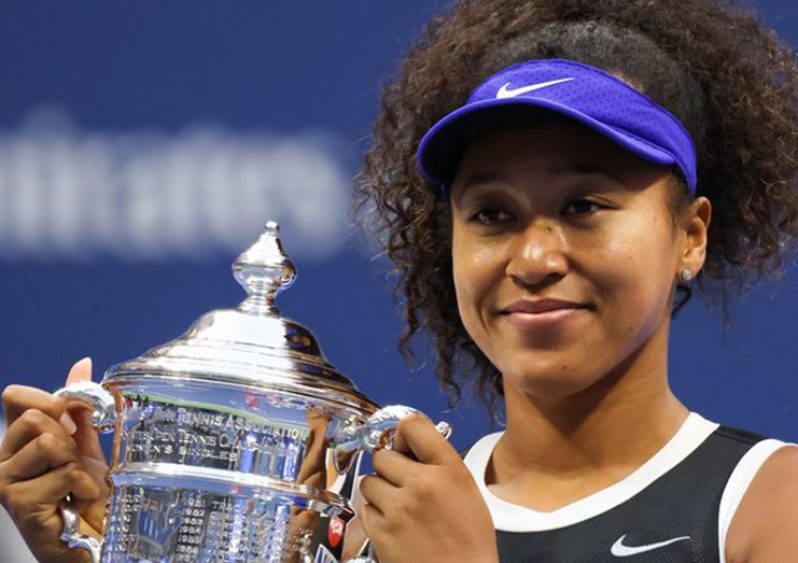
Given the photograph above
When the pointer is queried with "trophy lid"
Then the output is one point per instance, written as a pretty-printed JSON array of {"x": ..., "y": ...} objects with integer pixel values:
[{"x": 251, "y": 345}]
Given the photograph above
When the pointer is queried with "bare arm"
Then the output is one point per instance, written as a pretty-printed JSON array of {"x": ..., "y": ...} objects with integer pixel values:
[{"x": 765, "y": 526}]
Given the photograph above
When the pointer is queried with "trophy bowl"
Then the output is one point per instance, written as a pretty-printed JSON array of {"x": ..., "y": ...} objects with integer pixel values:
[{"x": 237, "y": 442}]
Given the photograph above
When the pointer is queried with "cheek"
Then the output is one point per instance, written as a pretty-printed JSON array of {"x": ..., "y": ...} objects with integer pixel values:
[
  {"x": 636, "y": 270},
  {"x": 476, "y": 270}
]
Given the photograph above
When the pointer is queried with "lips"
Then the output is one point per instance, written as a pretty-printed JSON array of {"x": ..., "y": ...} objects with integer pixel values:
[
  {"x": 539, "y": 306},
  {"x": 543, "y": 314}
]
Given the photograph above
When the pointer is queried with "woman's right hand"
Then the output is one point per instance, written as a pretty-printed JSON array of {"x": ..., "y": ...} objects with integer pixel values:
[{"x": 50, "y": 450}]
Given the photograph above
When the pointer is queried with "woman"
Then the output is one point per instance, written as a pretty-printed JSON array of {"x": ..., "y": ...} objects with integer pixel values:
[{"x": 551, "y": 179}]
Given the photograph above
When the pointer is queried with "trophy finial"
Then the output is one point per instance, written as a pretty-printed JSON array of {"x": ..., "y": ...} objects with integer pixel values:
[{"x": 263, "y": 270}]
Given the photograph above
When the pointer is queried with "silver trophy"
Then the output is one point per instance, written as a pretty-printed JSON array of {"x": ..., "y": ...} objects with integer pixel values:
[{"x": 235, "y": 443}]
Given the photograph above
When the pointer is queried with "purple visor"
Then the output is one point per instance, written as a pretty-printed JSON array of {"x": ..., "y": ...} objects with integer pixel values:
[{"x": 591, "y": 96}]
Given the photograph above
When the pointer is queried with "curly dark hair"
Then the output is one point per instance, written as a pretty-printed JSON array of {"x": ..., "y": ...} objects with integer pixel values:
[{"x": 727, "y": 78}]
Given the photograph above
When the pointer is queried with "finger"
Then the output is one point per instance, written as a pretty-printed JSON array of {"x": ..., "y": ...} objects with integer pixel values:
[
  {"x": 378, "y": 492},
  {"x": 19, "y": 398},
  {"x": 371, "y": 518},
  {"x": 86, "y": 436},
  {"x": 80, "y": 371},
  {"x": 44, "y": 453},
  {"x": 98, "y": 471},
  {"x": 417, "y": 436},
  {"x": 49, "y": 489},
  {"x": 394, "y": 467},
  {"x": 71, "y": 479},
  {"x": 27, "y": 427}
]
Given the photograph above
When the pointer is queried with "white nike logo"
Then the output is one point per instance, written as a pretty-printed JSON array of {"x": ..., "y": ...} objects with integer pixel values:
[
  {"x": 620, "y": 550},
  {"x": 505, "y": 92}
]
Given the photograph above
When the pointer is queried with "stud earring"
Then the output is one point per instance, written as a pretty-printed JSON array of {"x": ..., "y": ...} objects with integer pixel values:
[{"x": 686, "y": 275}]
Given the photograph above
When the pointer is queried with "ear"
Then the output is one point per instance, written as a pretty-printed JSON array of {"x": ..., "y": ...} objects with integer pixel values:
[{"x": 695, "y": 221}]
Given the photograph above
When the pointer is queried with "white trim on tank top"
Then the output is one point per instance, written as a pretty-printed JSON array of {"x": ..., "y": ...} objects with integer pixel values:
[{"x": 510, "y": 517}]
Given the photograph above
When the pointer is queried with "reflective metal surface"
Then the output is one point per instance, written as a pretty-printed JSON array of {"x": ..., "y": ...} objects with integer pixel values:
[{"x": 237, "y": 442}]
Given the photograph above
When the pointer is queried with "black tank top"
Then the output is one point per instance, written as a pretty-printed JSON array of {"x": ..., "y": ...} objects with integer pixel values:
[{"x": 675, "y": 508}]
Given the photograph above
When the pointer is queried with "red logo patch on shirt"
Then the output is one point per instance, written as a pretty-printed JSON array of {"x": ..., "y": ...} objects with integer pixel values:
[{"x": 335, "y": 531}]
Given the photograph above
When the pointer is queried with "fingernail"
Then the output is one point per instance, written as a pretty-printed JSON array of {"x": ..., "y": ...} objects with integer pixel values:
[
  {"x": 67, "y": 422},
  {"x": 80, "y": 371}
]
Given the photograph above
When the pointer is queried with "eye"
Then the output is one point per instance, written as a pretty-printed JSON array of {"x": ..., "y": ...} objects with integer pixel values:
[
  {"x": 582, "y": 207},
  {"x": 490, "y": 216}
]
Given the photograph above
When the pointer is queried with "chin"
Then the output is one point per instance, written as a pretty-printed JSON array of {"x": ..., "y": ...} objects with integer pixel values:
[
  {"x": 551, "y": 389},
  {"x": 550, "y": 381}
]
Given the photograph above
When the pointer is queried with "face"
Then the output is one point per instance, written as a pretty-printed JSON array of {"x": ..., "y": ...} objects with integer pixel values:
[{"x": 565, "y": 253}]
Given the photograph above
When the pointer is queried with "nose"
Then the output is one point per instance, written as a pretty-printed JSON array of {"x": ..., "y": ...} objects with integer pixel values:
[{"x": 537, "y": 255}]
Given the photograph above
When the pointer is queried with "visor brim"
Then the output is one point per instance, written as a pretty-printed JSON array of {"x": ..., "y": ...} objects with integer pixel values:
[{"x": 442, "y": 147}]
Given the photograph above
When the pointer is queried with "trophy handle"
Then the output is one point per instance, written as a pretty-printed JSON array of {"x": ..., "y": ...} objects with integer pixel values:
[
  {"x": 375, "y": 433},
  {"x": 368, "y": 557},
  {"x": 71, "y": 533},
  {"x": 103, "y": 418},
  {"x": 100, "y": 401}
]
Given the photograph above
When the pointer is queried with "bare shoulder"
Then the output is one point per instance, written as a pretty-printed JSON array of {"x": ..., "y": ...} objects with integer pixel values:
[{"x": 763, "y": 528}]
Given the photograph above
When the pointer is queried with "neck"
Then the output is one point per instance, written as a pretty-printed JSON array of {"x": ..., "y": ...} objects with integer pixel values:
[{"x": 619, "y": 422}]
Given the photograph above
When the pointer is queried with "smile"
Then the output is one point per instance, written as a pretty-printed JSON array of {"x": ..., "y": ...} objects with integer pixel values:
[
  {"x": 527, "y": 315},
  {"x": 532, "y": 321}
]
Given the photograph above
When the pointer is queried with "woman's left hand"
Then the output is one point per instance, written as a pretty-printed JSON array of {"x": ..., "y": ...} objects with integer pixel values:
[{"x": 423, "y": 503}]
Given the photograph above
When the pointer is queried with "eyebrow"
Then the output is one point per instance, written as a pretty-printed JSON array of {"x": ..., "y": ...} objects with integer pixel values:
[
  {"x": 476, "y": 178},
  {"x": 473, "y": 181},
  {"x": 588, "y": 167}
]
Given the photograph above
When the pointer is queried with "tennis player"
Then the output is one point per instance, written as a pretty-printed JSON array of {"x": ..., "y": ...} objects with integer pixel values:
[{"x": 553, "y": 179}]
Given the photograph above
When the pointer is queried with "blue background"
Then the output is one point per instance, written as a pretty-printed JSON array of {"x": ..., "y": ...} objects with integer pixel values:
[{"x": 288, "y": 67}]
